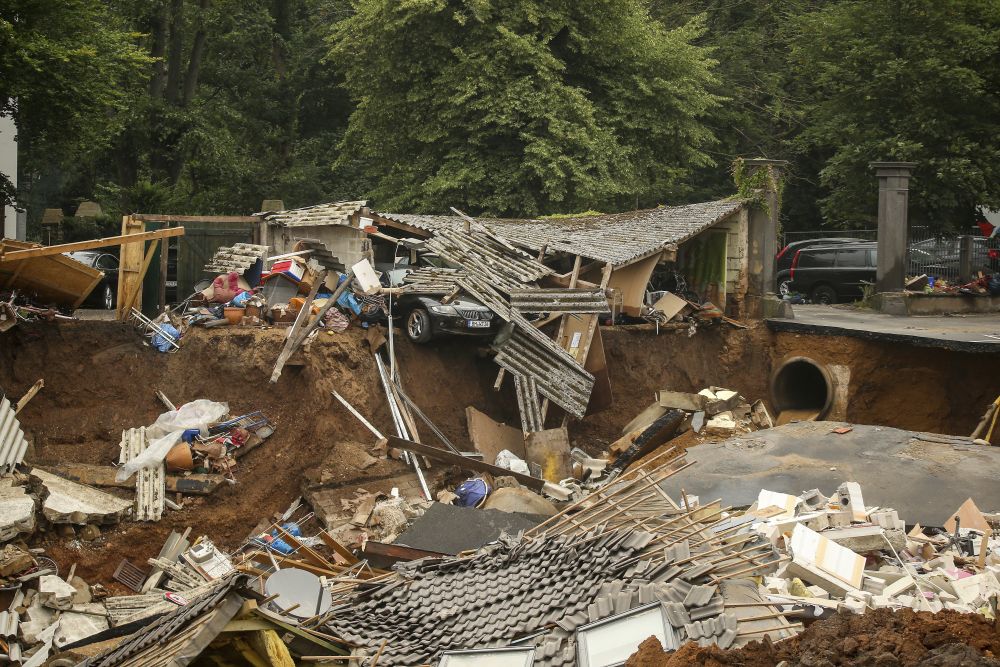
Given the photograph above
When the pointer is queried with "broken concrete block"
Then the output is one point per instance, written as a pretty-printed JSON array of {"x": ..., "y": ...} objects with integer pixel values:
[
  {"x": 76, "y": 626},
  {"x": 14, "y": 560},
  {"x": 976, "y": 589},
  {"x": 55, "y": 593},
  {"x": 39, "y": 618},
  {"x": 850, "y": 498},
  {"x": 862, "y": 539},
  {"x": 681, "y": 400},
  {"x": 72, "y": 503},
  {"x": 520, "y": 500},
  {"x": 17, "y": 511},
  {"x": 723, "y": 423}
]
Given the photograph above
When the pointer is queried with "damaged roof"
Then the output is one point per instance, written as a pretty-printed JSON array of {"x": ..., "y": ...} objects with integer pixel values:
[
  {"x": 331, "y": 213},
  {"x": 616, "y": 238}
]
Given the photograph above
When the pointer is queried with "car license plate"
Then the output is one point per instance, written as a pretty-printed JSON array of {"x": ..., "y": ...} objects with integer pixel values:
[{"x": 478, "y": 324}]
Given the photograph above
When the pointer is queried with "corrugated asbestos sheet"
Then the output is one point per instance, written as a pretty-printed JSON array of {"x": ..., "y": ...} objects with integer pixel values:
[
  {"x": 508, "y": 267},
  {"x": 559, "y": 300},
  {"x": 618, "y": 238},
  {"x": 333, "y": 213},
  {"x": 238, "y": 257},
  {"x": 12, "y": 442},
  {"x": 494, "y": 269},
  {"x": 556, "y": 375},
  {"x": 433, "y": 280},
  {"x": 150, "y": 485},
  {"x": 527, "y": 403},
  {"x": 321, "y": 254}
]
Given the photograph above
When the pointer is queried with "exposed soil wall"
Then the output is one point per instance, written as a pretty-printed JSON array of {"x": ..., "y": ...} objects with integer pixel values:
[
  {"x": 99, "y": 380},
  {"x": 879, "y": 638}
]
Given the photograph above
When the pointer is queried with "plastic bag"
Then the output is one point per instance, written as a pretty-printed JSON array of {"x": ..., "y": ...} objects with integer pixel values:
[
  {"x": 167, "y": 430},
  {"x": 161, "y": 343}
]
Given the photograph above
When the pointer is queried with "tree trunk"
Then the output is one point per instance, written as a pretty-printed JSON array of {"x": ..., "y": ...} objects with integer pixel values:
[
  {"x": 159, "y": 51},
  {"x": 176, "y": 51},
  {"x": 197, "y": 54}
]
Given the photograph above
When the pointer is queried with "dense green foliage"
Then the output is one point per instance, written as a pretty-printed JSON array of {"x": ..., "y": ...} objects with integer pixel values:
[
  {"x": 522, "y": 107},
  {"x": 914, "y": 80},
  {"x": 513, "y": 107}
]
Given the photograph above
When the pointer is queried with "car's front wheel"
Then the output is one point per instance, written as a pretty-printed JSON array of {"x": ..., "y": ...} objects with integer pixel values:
[
  {"x": 418, "y": 325},
  {"x": 824, "y": 294},
  {"x": 783, "y": 287},
  {"x": 108, "y": 300}
]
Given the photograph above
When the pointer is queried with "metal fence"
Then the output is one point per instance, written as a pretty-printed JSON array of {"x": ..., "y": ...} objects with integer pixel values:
[{"x": 952, "y": 257}]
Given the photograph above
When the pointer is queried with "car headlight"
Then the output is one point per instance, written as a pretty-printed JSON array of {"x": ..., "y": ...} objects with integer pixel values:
[{"x": 444, "y": 310}]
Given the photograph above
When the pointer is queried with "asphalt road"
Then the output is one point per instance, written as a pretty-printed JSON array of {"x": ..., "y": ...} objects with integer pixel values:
[{"x": 967, "y": 333}]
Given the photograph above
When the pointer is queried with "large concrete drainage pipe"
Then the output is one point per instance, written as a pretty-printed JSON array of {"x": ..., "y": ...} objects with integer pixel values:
[{"x": 801, "y": 389}]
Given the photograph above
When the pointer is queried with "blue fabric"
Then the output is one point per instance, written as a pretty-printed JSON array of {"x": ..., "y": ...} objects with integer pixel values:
[
  {"x": 241, "y": 299},
  {"x": 471, "y": 493},
  {"x": 161, "y": 343}
]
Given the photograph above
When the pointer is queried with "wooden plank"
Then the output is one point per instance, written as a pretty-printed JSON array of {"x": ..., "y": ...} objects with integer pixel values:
[
  {"x": 397, "y": 552},
  {"x": 338, "y": 548},
  {"x": 125, "y": 239},
  {"x": 28, "y": 395},
  {"x": 153, "y": 217},
  {"x": 95, "y": 475},
  {"x": 137, "y": 289},
  {"x": 445, "y": 456},
  {"x": 304, "y": 551}
]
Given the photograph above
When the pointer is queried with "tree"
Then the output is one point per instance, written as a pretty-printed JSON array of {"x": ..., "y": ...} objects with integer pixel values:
[
  {"x": 902, "y": 80},
  {"x": 62, "y": 64},
  {"x": 521, "y": 108}
]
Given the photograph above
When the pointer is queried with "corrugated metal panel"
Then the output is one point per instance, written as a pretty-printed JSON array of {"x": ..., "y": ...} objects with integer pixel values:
[
  {"x": 332, "y": 213},
  {"x": 619, "y": 238},
  {"x": 12, "y": 442},
  {"x": 559, "y": 300},
  {"x": 150, "y": 485}
]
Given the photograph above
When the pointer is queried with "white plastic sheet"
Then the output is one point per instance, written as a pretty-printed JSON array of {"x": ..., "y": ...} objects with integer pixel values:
[{"x": 166, "y": 431}]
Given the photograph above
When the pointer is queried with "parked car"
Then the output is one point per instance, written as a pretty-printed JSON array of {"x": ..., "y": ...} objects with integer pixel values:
[
  {"x": 828, "y": 274},
  {"x": 425, "y": 317},
  {"x": 783, "y": 260},
  {"x": 104, "y": 294}
]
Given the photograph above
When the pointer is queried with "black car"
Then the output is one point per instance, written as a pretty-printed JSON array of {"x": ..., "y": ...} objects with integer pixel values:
[
  {"x": 104, "y": 294},
  {"x": 425, "y": 317},
  {"x": 828, "y": 274},
  {"x": 783, "y": 260}
]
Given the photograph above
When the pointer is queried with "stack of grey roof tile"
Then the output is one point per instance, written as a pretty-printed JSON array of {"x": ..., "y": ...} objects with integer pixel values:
[
  {"x": 540, "y": 590},
  {"x": 433, "y": 280},
  {"x": 239, "y": 258}
]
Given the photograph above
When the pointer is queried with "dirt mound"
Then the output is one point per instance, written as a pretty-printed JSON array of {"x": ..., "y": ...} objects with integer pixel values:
[{"x": 879, "y": 638}]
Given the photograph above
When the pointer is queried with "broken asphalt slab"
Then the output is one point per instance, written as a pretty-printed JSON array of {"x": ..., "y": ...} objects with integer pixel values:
[
  {"x": 450, "y": 529},
  {"x": 923, "y": 476}
]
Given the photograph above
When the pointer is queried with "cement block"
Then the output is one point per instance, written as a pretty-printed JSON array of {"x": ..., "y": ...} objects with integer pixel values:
[
  {"x": 17, "y": 512},
  {"x": 72, "y": 503}
]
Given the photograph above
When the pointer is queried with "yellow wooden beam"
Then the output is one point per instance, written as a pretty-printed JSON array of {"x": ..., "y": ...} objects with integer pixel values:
[{"x": 15, "y": 255}]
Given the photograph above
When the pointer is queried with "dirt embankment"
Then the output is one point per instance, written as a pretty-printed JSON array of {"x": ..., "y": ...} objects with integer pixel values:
[
  {"x": 879, "y": 638},
  {"x": 100, "y": 380}
]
